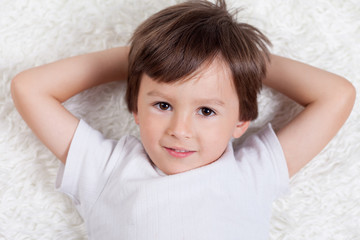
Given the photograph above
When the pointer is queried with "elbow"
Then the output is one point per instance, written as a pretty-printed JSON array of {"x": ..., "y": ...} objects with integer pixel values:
[
  {"x": 16, "y": 84},
  {"x": 346, "y": 95},
  {"x": 353, "y": 93},
  {"x": 350, "y": 93},
  {"x": 19, "y": 87}
]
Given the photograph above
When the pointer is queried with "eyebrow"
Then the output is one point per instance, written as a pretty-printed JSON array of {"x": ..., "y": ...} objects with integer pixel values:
[
  {"x": 202, "y": 101},
  {"x": 155, "y": 93}
]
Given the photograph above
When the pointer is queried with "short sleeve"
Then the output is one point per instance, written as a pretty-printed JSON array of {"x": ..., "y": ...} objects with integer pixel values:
[
  {"x": 262, "y": 161},
  {"x": 90, "y": 161}
]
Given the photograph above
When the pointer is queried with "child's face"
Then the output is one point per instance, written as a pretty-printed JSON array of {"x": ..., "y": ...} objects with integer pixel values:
[{"x": 188, "y": 124}]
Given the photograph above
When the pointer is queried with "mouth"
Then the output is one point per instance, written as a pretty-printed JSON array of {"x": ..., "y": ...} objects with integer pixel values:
[{"x": 179, "y": 152}]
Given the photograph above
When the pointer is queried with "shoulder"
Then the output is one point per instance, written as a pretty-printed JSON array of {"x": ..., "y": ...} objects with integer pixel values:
[
  {"x": 126, "y": 155},
  {"x": 260, "y": 158},
  {"x": 262, "y": 142},
  {"x": 87, "y": 135},
  {"x": 92, "y": 160},
  {"x": 94, "y": 150}
]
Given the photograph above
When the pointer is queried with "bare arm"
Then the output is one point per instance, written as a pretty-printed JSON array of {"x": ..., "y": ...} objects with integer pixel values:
[
  {"x": 39, "y": 92},
  {"x": 328, "y": 100}
]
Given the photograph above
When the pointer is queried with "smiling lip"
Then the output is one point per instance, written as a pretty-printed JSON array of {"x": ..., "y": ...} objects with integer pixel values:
[{"x": 179, "y": 153}]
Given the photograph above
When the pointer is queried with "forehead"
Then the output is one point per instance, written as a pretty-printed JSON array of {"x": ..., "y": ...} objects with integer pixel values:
[{"x": 213, "y": 77}]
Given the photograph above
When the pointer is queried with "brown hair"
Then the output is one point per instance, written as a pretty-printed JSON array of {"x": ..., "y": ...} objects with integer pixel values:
[{"x": 175, "y": 42}]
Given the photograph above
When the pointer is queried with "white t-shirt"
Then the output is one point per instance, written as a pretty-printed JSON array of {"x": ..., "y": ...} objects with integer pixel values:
[{"x": 121, "y": 195}]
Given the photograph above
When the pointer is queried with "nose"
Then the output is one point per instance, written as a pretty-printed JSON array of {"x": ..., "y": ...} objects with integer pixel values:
[{"x": 180, "y": 127}]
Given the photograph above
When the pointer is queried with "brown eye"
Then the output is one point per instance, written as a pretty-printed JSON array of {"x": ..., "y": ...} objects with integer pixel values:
[
  {"x": 163, "y": 106},
  {"x": 206, "y": 112}
]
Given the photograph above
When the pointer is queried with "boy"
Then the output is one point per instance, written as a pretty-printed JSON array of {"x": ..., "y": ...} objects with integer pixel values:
[{"x": 193, "y": 76}]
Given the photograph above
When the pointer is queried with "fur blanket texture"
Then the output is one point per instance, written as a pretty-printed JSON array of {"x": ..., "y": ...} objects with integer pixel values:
[{"x": 324, "y": 201}]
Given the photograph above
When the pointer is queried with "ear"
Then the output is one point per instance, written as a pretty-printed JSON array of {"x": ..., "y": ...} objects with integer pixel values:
[
  {"x": 136, "y": 118},
  {"x": 240, "y": 128}
]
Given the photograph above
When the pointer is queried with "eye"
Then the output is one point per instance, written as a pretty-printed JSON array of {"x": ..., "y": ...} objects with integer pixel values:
[
  {"x": 164, "y": 106},
  {"x": 206, "y": 112}
]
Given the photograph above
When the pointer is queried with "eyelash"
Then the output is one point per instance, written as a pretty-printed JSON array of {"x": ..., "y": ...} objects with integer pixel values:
[
  {"x": 158, "y": 106},
  {"x": 168, "y": 107}
]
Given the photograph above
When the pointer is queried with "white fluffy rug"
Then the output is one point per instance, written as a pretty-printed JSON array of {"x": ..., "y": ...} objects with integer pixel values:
[{"x": 324, "y": 202}]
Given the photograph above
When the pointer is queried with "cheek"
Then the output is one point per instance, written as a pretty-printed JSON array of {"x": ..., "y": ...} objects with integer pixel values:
[
  {"x": 215, "y": 137},
  {"x": 217, "y": 140},
  {"x": 220, "y": 130},
  {"x": 150, "y": 128}
]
